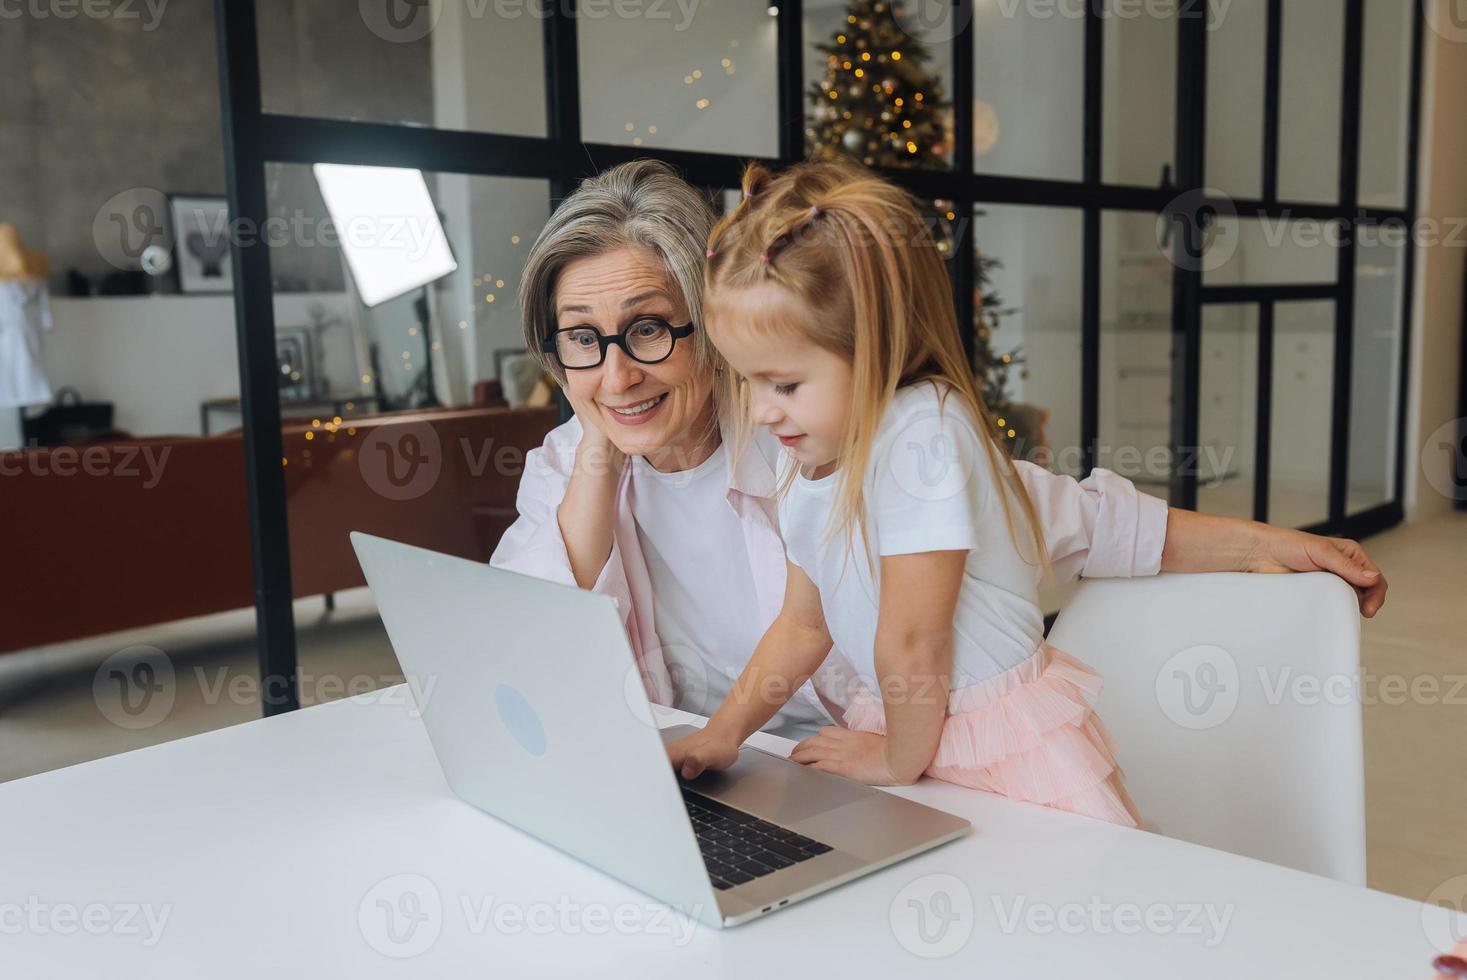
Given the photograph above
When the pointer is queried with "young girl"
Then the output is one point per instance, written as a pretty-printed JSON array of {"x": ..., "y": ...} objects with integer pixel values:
[{"x": 911, "y": 543}]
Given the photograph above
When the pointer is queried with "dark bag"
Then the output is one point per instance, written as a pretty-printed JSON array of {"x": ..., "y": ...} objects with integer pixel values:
[{"x": 68, "y": 419}]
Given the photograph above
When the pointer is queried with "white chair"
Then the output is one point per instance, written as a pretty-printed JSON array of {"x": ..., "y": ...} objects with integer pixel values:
[{"x": 1234, "y": 700}]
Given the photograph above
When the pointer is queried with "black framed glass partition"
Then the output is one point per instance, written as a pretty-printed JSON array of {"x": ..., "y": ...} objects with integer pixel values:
[{"x": 1161, "y": 216}]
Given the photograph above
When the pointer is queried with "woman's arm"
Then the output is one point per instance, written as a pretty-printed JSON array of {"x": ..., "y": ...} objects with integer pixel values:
[
  {"x": 791, "y": 650},
  {"x": 914, "y": 662},
  {"x": 588, "y": 511},
  {"x": 1208, "y": 543},
  {"x": 1103, "y": 527}
]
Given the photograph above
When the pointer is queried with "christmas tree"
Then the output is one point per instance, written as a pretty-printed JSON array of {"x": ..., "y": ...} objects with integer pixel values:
[{"x": 879, "y": 103}]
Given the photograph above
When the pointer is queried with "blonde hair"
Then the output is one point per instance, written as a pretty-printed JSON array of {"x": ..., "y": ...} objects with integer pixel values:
[{"x": 854, "y": 251}]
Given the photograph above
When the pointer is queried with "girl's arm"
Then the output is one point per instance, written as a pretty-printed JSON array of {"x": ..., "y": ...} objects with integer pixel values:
[
  {"x": 792, "y": 649},
  {"x": 914, "y": 662},
  {"x": 1208, "y": 543}
]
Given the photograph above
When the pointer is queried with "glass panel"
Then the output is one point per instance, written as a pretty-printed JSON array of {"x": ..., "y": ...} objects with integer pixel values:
[
  {"x": 886, "y": 68},
  {"x": 126, "y": 534},
  {"x": 1135, "y": 351},
  {"x": 411, "y": 418},
  {"x": 1310, "y": 100},
  {"x": 1227, "y": 408},
  {"x": 1260, "y": 251},
  {"x": 1033, "y": 261},
  {"x": 1140, "y": 92},
  {"x": 447, "y": 65},
  {"x": 1299, "y": 439},
  {"x": 701, "y": 79},
  {"x": 1385, "y": 96},
  {"x": 1236, "y": 52},
  {"x": 1029, "y": 85},
  {"x": 1375, "y": 393}
]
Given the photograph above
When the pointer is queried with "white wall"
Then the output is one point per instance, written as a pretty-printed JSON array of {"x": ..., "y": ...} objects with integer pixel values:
[
  {"x": 155, "y": 357},
  {"x": 487, "y": 77}
]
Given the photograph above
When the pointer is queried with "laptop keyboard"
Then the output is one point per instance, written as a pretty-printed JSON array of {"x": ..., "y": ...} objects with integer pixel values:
[{"x": 739, "y": 847}]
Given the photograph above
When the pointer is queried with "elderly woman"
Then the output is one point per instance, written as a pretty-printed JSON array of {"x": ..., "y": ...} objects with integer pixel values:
[{"x": 641, "y": 497}]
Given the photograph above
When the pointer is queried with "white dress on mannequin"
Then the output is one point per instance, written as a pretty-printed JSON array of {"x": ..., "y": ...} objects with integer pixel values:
[{"x": 25, "y": 310}]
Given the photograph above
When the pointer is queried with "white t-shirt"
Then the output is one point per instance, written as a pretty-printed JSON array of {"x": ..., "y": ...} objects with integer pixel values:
[
  {"x": 931, "y": 486},
  {"x": 703, "y": 601}
]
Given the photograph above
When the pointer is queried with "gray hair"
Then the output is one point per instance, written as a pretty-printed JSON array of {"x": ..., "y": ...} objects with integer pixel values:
[{"x": 642, "y": 203}]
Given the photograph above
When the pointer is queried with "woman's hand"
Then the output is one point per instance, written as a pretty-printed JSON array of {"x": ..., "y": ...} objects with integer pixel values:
[
  {"x": 1283, "y": 550},
  {"x": 596, "y": 454},
  {"x": 1210, "y": 543},
  {"x": 706, "y": 749},
  {"x": 855, "y": 755}
]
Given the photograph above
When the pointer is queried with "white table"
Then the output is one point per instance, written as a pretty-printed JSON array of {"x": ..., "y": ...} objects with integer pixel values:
[{"x": 271, "y": 848}]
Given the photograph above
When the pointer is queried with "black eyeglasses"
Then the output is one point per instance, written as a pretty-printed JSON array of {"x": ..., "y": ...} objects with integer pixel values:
[{"x": 646, "y": 340}]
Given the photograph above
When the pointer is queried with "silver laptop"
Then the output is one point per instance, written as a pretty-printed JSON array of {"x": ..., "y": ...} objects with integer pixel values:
[{"x": 538, "y": 716}]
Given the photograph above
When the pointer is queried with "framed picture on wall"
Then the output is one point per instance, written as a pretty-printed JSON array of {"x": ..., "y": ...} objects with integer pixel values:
[{"x": 201, "y": 243}]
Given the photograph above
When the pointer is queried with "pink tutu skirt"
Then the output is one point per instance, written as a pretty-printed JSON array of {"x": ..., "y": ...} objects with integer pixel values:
[{"x": 1028, "y": 733}]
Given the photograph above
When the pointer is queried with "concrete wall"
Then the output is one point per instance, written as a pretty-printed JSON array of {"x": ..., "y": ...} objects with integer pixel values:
[{"x": 92, "y": 107}]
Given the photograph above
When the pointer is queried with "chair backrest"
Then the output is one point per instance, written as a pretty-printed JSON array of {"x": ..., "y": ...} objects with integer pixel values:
[{"x": 1234, "y": 700}]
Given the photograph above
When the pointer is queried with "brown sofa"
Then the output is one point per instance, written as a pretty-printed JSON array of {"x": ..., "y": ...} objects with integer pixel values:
[{"x": 120, "y": 534}]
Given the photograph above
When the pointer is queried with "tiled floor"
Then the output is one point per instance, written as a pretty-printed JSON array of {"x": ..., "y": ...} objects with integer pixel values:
[{"x": 54, "y": 703}]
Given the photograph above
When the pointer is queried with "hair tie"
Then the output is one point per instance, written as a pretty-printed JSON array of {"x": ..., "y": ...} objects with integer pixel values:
[
  {"x": 763, "y": 256},
  {"x": 814, "y": 210},
  {"x": 710, "y": 253},
  {"x": 748, "y": 194}
]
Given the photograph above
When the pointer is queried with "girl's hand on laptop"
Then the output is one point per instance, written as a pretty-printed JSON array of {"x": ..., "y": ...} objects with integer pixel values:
[
  {"x": 705, "y": 749},
  {"x": 855, "y": 755}
]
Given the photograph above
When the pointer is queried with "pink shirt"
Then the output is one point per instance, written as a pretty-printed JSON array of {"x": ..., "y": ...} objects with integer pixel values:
[{"x": 1101, "y": 527}]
